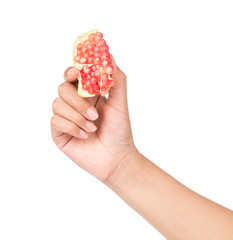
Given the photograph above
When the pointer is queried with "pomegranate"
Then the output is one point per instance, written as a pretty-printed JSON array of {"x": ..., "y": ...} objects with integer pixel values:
[{"x": 92, "y": 58}]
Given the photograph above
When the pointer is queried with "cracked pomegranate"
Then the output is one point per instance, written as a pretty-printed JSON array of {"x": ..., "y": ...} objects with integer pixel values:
[{"x": 92, "y": 58}]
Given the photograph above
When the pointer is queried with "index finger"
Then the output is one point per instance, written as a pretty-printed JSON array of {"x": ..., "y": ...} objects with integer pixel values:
[{"x": 71, "y": 74}]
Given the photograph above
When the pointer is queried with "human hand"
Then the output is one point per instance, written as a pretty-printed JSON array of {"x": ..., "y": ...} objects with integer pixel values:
[{"x": 93, "y": 132}]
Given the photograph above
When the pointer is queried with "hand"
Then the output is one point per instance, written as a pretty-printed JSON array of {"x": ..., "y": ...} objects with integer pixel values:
[{"x": 94, "y": 132}]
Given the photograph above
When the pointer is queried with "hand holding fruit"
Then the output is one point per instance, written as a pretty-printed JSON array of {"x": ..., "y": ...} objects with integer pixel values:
[{"x": 94, "y": 133}]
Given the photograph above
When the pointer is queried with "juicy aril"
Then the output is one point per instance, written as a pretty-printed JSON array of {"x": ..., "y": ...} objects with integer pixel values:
[{"x": 92, "y": 58}]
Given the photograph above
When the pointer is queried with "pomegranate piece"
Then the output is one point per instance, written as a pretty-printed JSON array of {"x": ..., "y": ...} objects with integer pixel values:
[{"x": 92, "y": 58}]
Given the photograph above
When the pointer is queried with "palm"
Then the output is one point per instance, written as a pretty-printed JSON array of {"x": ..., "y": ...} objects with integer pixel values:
[{"x": 102, "y": 151}]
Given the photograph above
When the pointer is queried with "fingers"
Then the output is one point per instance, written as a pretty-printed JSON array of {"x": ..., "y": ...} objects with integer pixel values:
[
  {"x": 63, "y": 125},
  {"x": 63, "y": 109},
  {"x": 68, "y": 92},
  {"x": 71, "y": 74}
]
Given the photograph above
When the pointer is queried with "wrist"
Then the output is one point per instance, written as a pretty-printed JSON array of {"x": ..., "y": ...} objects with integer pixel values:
[{"x": 123, "y": 175}]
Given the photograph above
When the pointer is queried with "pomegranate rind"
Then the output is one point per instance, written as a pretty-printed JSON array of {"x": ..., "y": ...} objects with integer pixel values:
[{"x": 80, "y": 39}]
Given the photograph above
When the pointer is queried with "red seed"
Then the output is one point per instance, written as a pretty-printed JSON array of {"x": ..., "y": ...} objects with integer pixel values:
[
  {"x": 79, "y": 52},
  {"x": 104, "y": 63},
  {"x": 90, "y": 60},
  {"x": 99, "y": 34},
  {"x": 105, "y": 76},
  {"x": 109, "y": 70},
  {"x": 91, "y": 53},
  {"x": 86, "y": 69},
  {"x": 96, "y": 49},
  {"x": 84, "y": 49},
  {"x": 97, "y": 55},
  {"x": 79, "y": 46},
  {"x": 102, "y": 58},
  {"x": 96, "y": 61},
  {"x": 88, "y": 83},
  {"x": 93, "y": 80},
  {"x": 93, "y": 67},
  {"x": 101, "y": 70},
  {"x": 86, "y": 55},
  {"x": 97, "y": 38},
  {"x": 83, "y": 60},
  {"x": 91, "y": 91},
  {"x": 77, "y": 59},
  {"x": 97, "y": 72},
  {"x": 105, "y": 82},
  {"x": 87, "y": 42},
  {"x": 85, "y": 87},
  {"x": 89, "y": 47}
]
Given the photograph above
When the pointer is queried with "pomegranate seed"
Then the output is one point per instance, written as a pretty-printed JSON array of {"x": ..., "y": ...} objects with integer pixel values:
[
  {"x": 93, "y": 80},
  {"x": 85, "y": 87},
  {"x": 102, "y": 49},
  {"x": 109, "y": 70},
  {"x": 86, "y": 55},
  {"x": 97, "y": 55},
  {"x": 77, "y": 59},
  {"x": 106, "y": 48},
  {"x": 99, "y": 34},
  {"x": 91, "y": 91},
  {"x": 101, "y": 70},
  {"x": 104, "y": 63},
  {"x": 98, "y": 66},
  {"x": 88, "y": 83},
  {"x": 96, "y": 49},
  {"x": 79, "y": 46},
  {"x": 105, "y": 82},
  {"x": 82, "y": 75},
  {"x": 93, "y": 67},
  {"x": 79, "y": 52},
  {"x": 103, "y": 58},
  {"x": 83, "y": 60},
  {"x": 89, "y": 47},
  {"x": 97, "y": 72},
  {"x": 86, "y": 69},
  {"x": 90, "y": 60},
  {"x": 87, "y": 42},
  {"x": 105, "y": 76},
  {"x": 91, "y": 53},
  {"x": 84, "y": 49},
  {"x": 96, "y": 61},
  {"x": 96, "y": 87},
  {"x": 97, "y": 38}
]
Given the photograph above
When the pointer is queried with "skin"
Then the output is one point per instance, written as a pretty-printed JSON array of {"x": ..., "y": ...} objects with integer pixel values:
[{"x": 102, "y": 144}]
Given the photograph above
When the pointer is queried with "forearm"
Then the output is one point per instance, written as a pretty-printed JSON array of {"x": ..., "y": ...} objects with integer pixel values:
[{"x": 173, "y": 209}]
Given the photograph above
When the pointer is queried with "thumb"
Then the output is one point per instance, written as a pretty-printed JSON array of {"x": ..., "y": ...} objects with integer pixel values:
[{"x": 118, "y": 92}]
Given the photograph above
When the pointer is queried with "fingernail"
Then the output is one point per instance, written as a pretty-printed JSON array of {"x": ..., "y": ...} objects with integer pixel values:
[
  {"x": 113, "y": 61},
  {"x": 91, "y": 113},
  {"x": 83, "y": 134},
  {"x": 91, "y": 126}
]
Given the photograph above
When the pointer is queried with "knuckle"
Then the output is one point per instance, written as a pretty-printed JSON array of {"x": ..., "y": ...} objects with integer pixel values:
[
  {"x": 55, "y": 104},
  {"x": 123, "y": 76},
  {"x": 62, "y": 88},
  {"x": 54, "y": 120}
]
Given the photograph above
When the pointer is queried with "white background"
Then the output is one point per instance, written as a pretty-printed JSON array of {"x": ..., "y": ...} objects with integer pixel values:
[{"x": 178, "y": 57}]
